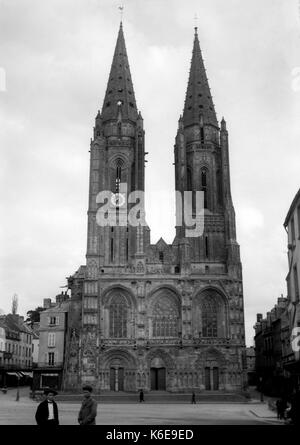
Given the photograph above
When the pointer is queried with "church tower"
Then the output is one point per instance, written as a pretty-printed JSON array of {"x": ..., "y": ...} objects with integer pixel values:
[
  {"x": 157, "y": 316},
  {"x": 202, "y": 164},
  {"x": 116, "y": 161}
]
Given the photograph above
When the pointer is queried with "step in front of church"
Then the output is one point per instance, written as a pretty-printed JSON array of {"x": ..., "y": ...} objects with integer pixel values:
[{"x": 157, "y": 397}]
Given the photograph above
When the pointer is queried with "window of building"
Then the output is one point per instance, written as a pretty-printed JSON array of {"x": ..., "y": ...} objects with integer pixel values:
[
  {"x": 50, "y": 358},
  {"x": 51, "y": 339},
  {"x": 204, "y": 185},
  {"x": 90, "y": 302},
  {"x": 296, "y": 283},
  {"x": 201, "y": 131},
  {"x": 219, "y": 187},
  {"x": 293, "y": 235},
  {"x": 298, "y": 217},
  {"x": 111, "y": 249},
  {"x": 161, "y": 257},
  {"x": 189, "y": 179},
  {"x": 118, "y": 178},
  {"x": 209, "y": 317},
  {"x": 206, "y": 247},
  {"x": 118, "y": 317},
  {"x": 53, "y": 320},
  {"x": 90, "y": 319},
  {"x": 165, "y": 318}
]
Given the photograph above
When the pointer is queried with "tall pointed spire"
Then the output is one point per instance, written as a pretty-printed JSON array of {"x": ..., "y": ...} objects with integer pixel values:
[
  {"x": 119, "y": 88},
  {"x": 198, "y": 100}
]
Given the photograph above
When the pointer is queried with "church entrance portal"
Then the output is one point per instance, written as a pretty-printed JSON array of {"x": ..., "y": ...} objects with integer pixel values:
[
  {"x": 212, "y": 379},
  {"x": 158, "y": 379},
  {"x": 117, "y": 379},
  {"x": 158, "y": 375}
]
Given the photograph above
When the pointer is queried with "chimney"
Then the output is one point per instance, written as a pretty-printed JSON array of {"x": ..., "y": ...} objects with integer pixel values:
[
  {"x": 47, "y": 303},
  {"x": 259, "y": 318}
]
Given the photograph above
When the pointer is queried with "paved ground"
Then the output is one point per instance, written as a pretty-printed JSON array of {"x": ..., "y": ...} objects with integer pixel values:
[{"x": 22, "y": 412}]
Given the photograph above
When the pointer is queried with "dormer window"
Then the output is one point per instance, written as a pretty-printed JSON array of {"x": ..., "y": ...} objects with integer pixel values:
[{"x": 161, "y": 257}]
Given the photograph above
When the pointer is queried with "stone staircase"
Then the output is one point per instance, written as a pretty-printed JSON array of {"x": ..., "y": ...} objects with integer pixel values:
[{"x": 157, "y": 397}]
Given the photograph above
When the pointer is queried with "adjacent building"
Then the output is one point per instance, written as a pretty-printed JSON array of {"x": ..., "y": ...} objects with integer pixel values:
[
  {"x": 272, "y": 348},
  {"x": 52, "y": 343},
  {"x": 35, "y": 343},
  {"x": 2, "y": 345},
  {"x": 292, "y": 226},
  {"x": 17, "y": 357},
  {"x": 250, "y": 360}
]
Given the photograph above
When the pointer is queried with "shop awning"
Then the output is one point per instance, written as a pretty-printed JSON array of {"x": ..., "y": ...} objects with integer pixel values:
[
  {"x": 28, "y": 374},
  {"x": 13, "y": 373}
]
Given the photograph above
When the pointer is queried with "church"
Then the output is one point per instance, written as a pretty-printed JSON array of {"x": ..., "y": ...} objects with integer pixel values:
[{"x": 161, "y": 316}]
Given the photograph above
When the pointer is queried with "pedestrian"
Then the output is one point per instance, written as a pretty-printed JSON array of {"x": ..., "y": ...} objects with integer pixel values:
[
  {"x": 142, "y": 396},
  {"x": 88, "y": 411},
  {"x": 47, "y": 412},
  {"x": 278, "y": 408},
  {"x": 193, "y": 398}
]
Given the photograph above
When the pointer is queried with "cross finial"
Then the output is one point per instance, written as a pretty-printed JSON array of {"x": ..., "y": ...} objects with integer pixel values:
[
  {"x": 121, "y": 9},
  {"x": 196, "y": 22}
]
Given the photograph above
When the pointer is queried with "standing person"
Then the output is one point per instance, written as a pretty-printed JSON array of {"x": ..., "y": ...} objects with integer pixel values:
[
  {"x": 47, "y": 412},
  {"x": 142, "y": 396},
  {"x": 278, "y": 407},
  {"x": 88, "y": 411},
  {"x": 193, "y": 398}
]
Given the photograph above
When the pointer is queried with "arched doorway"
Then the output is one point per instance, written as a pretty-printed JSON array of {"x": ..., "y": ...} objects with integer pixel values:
[
  {"x": 117, "y": 371},
  {"x": 116, "y": 376},
  {"x": 157, "y": 375},
  {"x": 212, "y": 378}
]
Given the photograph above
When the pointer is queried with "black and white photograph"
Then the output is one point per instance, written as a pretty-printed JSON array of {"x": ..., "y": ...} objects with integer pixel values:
[{"x": 150, "y": 215}]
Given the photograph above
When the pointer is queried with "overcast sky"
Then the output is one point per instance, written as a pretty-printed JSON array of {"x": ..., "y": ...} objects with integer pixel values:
[{"x": 55, "y": 58}]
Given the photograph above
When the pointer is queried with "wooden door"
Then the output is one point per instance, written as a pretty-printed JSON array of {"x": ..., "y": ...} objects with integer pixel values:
[
  {"x": 161, "y": 379},
  {"x": 216, "y": 379},
  {"x": 121, "y": 379},
  {"x": 112, "y": 379},
  {"x": 207, "y": 379}
]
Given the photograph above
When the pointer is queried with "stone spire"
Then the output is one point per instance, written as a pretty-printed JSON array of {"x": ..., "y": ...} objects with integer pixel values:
[
  {"x": 119, "y": 90},
  {"x": 198, "y": 101}
]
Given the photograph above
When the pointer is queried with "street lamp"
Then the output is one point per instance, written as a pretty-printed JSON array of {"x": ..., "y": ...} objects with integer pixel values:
[{"x": 18, "y": 389}]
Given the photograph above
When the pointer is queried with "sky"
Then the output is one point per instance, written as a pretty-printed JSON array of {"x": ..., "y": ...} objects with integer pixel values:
[{"x": 55, "y": 59}]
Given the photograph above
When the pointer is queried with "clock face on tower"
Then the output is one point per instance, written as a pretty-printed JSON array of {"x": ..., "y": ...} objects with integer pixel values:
[{"x": 118, "y": 199}]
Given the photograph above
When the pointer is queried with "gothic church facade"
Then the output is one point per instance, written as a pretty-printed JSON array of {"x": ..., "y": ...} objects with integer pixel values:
[{"x": 158, "y": 316}]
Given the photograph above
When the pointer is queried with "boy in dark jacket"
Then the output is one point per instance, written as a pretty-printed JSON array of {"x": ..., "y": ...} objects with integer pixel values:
[
  {"x": 88, "y": 411},
  {"x": 47, "y": 412}
]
